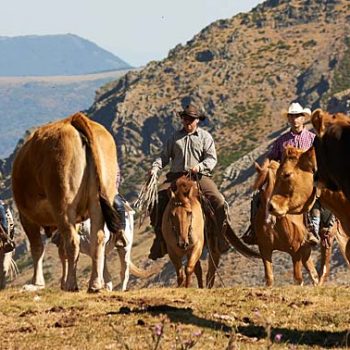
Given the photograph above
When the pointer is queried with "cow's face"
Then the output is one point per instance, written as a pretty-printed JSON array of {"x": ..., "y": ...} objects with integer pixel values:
[{"x": 293, "y": 189}]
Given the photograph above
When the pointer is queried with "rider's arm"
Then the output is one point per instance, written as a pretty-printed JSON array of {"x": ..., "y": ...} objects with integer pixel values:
[
  {"x": 165, "y": 156},
  {"x": 209, "y": 155}
]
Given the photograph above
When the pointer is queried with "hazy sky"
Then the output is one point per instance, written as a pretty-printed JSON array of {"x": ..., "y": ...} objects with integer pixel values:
[{"x": 135, "y": 30}]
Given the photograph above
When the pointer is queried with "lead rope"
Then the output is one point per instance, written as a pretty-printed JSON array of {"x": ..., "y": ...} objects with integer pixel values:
[{"x": 205, "y": 227}]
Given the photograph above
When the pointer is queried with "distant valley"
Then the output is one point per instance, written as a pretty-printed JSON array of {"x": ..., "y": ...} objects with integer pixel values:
[{"x": 31, "y": 101}]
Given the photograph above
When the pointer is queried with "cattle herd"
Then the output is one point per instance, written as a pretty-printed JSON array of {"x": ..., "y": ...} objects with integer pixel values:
[{"x": 65, "y": 173}]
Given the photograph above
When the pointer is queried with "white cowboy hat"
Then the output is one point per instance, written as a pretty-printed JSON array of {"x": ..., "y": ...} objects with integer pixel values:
[{"x": 295, "y": 108}]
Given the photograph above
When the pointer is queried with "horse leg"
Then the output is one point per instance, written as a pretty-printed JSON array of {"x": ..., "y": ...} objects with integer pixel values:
[
  {"x": 199, "y": 274},
  {"x": 193, "y": 259},
  {"x": 309, "y": 265},
  {"x": 297, "y": 264},
  {"x": 325, "y": 267},
  {"x": 37, "y": 250},
  {"x": 124, "y": 255},
  {"x": 5, "y": 261},
  {"x": 268, "y": 268},
  {"x": 177, "y": 262},
  {"x": 213, "y": 263}
]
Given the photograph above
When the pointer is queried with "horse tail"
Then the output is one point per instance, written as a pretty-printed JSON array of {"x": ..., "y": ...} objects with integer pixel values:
[
  {"x": 234, "y": 240},
  {"x": 137, "y": 272},
  {"x": 82, "y": 124}
]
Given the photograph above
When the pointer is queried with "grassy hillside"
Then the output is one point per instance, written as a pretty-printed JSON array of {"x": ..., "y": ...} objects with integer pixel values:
[{"x": 164, "y": 318}]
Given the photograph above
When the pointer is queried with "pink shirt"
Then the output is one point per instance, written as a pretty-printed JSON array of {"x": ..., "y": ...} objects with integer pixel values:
[{"x": 303, "y": 140}]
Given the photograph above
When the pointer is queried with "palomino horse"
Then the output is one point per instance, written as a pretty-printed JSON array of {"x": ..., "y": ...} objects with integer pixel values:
[
  {"x": 286, "y": 234},
  {"x": 183, "y": 230}
]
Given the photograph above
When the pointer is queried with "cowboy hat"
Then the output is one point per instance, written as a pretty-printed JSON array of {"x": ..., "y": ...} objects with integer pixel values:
[
  {"x": 295, "y": 108},
  {"x": 191, "y": 111}
]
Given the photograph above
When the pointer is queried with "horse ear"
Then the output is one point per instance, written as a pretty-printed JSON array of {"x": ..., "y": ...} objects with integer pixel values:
[
  {"x": 171, "y": 194},
  {"x": 257, "y": 167}
]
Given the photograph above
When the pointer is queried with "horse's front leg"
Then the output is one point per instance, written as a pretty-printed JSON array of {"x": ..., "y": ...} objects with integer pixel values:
[
  {"x": 193, "y": 259},
  {"x": 309, "y": 265},
  {"x": 177, "y": 262},
  {"x": 325, "y": 268},
  {"x": 266, "y": 256}
]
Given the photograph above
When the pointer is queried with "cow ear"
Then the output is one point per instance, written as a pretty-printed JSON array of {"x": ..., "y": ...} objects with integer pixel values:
[
  {"x": 307, "y": 161},
  {"x": 317, "y": 120}
]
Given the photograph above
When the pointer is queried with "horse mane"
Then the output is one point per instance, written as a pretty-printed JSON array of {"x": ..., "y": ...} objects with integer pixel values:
[{"x": 186, "y": 191}]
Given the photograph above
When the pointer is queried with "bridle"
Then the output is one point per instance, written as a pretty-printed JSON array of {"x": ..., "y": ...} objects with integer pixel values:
[{"x": 173, "y": 225}]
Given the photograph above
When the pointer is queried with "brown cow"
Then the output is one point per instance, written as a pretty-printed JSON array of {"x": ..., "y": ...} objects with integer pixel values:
[
  {"x": 64, "y": 173},
  {"x": 294, "y": 192},
  {"x": 332, "y": 146},
  {"x": 286, "y": 234}
]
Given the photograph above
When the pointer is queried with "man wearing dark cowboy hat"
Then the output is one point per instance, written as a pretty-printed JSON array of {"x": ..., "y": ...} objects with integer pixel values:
[{"x": 190, "y": 149}]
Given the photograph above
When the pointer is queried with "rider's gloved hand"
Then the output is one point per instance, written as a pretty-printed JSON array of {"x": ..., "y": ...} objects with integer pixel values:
[{"x": 195, "y": 169}]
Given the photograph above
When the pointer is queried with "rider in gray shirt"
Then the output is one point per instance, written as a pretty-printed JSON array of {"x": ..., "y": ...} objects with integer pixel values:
[{"x": 190, "y": 149}]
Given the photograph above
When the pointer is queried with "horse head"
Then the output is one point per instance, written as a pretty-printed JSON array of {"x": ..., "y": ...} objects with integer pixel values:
[{"x": 181, "y": 211}]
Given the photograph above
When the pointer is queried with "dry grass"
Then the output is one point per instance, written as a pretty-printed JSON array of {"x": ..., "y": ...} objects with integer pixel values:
[{"x": 235, "y": 318}]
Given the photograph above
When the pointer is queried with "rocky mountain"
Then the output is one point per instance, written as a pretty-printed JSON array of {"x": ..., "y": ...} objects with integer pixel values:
[
  {"x": 241, "y": 71},
  {"x": 65, "y": 54}
]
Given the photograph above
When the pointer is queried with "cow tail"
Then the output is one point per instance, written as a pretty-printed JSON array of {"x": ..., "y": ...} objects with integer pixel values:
[{"x": 81, "y": 123}]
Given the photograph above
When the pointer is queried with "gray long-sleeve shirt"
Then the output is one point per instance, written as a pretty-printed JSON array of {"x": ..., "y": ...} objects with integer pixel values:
[{"x": 188, "y": 150}]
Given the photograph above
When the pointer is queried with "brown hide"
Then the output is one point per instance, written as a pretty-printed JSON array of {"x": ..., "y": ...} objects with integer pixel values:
[
  {"x": 294, "y": 190},
  {"x": 332, "y": 147},
  {"x": 64, "y": 173},
  {"x": 286, "y": 234}
]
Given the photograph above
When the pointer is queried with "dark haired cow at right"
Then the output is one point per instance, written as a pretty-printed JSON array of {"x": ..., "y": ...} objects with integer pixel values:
[{"x": 328, "y": 161}]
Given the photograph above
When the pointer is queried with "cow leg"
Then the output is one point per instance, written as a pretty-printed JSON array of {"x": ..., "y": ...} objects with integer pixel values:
[
  {"x": 309, "y": 265},
  {"x": 124, "y": 256},
  {"x": 37, "y": 250},
  {"x": 199, "y": 274},
  {"x": 64, "y": 262},
  {"x": 97, "y": 252},
  {"x": 213, "y": 263},
  {"x": 71, "y": 248},
  {"x": 297, "y": 264}
]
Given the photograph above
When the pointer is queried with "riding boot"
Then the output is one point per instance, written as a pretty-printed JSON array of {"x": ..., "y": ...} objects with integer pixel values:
[
  {"x": 249, "y": 237},
  {"x": 158, "y": 248},
  {"x": 314, "y": 227}
]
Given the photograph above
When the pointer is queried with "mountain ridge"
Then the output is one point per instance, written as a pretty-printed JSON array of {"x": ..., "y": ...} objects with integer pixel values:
[{"x": 56, "y": 54}]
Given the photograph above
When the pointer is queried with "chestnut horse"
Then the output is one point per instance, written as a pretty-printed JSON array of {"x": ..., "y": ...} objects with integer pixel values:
[
  {"x": 183, "y": 230},
  {"x": 286, "y": 234}
]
